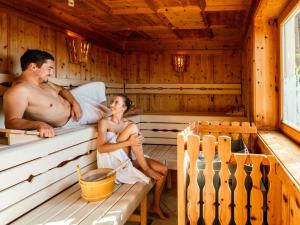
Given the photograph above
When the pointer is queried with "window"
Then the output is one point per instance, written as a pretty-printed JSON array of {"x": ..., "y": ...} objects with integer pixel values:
[{"x": 291, "y": 70}]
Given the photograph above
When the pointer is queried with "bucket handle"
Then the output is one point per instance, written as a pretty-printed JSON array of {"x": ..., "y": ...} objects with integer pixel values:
[{"x": 78, "y": 172}]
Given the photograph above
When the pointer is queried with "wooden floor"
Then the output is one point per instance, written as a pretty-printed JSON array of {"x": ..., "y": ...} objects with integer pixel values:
[{"x": 168, "y": 204}]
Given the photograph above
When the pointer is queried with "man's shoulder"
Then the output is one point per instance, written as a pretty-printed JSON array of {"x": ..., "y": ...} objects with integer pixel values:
[{"x": 18, "y": 88}]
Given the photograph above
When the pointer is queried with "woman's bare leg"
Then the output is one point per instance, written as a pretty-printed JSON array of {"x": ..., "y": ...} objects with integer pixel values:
[
  {"x": 159, "y": 186},
  {"x": 132, "y": 129}
]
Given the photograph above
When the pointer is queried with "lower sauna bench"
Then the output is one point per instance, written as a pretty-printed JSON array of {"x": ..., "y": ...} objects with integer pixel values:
[{"x": 39, "y": 184}]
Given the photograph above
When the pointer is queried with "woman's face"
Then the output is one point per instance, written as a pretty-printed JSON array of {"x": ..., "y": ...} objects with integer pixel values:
[{"x": 118, "y": 105}]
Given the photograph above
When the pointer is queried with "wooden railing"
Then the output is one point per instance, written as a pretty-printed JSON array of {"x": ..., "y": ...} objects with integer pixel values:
[{"x": 231, "y": 187}]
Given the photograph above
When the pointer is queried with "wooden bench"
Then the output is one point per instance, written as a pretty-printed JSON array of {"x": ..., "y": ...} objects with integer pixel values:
[{"x": 34, "y": 172}]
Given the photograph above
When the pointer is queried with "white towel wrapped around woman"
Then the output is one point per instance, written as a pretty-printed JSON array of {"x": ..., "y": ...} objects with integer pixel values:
[{"x": 128, "y": 174}]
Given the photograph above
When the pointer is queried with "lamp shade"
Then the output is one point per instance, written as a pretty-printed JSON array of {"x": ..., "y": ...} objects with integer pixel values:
[
  {"x": 78, "y": 50},
  {"x": 180, "y": 62}
]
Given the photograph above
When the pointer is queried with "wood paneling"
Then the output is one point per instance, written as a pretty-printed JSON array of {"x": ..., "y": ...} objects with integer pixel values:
[
  {"x": 19, "y": 33},
  {"x": 221, "y": 67}
]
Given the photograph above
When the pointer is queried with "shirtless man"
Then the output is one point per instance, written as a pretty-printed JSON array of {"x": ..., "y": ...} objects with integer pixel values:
[{"x": 33, "y": 103}]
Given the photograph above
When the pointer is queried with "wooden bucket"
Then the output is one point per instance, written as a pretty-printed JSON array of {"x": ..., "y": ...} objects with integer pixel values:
[{"x": 95, "y": 190}]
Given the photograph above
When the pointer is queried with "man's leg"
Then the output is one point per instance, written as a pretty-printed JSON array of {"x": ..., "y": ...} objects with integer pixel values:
[{"x": 132, "y": 129}]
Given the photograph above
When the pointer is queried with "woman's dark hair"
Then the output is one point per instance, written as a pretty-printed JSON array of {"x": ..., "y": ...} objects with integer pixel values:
[
  {"x": 34, "y": 56},
  {"x": 127, "y": 102}
]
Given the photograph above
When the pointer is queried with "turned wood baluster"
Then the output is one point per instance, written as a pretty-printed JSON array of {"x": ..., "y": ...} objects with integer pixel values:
[
  {"x": 224, "y": 150},
  {"x": 240, "y": 193},
  {"x": 256, "y": 197},
  {"x": 209, "y": 193},
  {"x": 193, "y": 146}
]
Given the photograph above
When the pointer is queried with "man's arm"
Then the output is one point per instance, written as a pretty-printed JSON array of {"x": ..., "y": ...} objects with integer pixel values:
[
  {"x": 76, "y": 111},
  {"x": 15, "y": 102}
]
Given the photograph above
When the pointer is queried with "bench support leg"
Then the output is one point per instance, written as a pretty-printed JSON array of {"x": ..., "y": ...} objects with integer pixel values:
[
  {"x": 142, "y": 218},
  {"x": 144, "y": 211}
]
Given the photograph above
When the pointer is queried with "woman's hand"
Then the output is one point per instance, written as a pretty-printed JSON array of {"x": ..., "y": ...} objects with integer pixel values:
[{"x": 136, "y": 139}]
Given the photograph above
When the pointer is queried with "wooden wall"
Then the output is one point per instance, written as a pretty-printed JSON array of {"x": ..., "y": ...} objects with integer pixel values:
[
  {"x": 261, "y": 64},
  {"x": 247, "y": 59},
  {"x": 18, "y": 33},
  {"x": 204, "y": 67}
]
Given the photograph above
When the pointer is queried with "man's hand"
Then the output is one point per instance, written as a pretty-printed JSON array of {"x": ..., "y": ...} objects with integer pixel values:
[
  {"x": 45, "y": 130},
  {"x": 76, "y": 111},
  {"x": 136, "y": 139}
]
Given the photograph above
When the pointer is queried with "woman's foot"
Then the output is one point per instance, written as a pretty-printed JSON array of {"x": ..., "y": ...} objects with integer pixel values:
[
  {"x": 153, "y": 174},
  {"x": 160, "y": 213}
]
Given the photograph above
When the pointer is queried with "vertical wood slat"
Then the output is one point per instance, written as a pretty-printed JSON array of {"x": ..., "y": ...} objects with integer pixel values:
[
  {"x": 246, "y": 136},
  {"x": 235, "y": 136},
  {"x": 181, "y": 174},
  {"x": 256, "y": 197},
  {"x": 225, "y": 123},
  {"x": 216, "y": 134},
  {"x": 240, "y": 194},
  {"x": 285, "y": 204},
  {"x": 193, "y": 188},
  {"x": 224, "y": 149},
  {"x": 209, "y": 194},
  {"x": 273, "y": 198}
]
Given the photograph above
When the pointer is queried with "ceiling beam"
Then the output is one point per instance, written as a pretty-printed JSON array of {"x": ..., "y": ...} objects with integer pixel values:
[
  {"x": 233, "y": 7},
  {"x": 202, "y": 5}
]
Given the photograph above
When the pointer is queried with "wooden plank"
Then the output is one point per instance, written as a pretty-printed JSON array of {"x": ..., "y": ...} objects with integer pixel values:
[
  {"x": 33, "y": 168},
  {"x": 240, "y": 193},
  {"x": 193, "y": 190},
  {"x": 224, "y": 150},
  {"x": 186, "y": 119},
  {"x": 16, "y": 193},
  {"x": 256, "y": 197},
  {"x": 159, "y": 134},
  {"x": 163, "y": 141},
  {"x": 116, "y": 207},
  {"x": 182, "y": 165},
  {"x": 162, "y": 126},
  {"x": 273, "y": 197},
  {"x": 58, "y": 208},
  {"x": 209, "y": 193},
  {"x": 31, "y": 151},
  {"x": 181, "y": 86},
  {"x": 235, "y": 129},
  {"x": 39, "y": 197},
  {"x": 183, "y": 91},
  {"x": 42, "y": 209}
]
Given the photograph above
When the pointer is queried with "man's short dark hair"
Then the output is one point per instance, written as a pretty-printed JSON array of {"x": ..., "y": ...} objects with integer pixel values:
[{"x": 34, "y": 56}]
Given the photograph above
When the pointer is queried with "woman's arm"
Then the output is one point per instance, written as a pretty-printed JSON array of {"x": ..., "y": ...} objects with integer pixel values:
[{"x": 104, "y": 147}]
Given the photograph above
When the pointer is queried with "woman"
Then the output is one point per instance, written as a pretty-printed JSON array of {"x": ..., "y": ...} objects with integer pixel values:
[{"x": 129, "y": 139}]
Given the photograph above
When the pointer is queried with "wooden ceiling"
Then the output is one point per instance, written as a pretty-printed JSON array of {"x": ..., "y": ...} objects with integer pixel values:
[{"x": 147, "y": 24}]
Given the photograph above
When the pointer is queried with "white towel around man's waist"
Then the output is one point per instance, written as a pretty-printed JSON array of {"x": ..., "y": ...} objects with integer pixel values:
[{"x": 129, "y": 174}]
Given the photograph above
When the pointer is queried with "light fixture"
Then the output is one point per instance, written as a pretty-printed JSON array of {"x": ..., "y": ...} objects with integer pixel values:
[
  {"x": 71, "y": 3},
  {"x": 78, "y": 48},
  {"x": 180, "y": 62}
]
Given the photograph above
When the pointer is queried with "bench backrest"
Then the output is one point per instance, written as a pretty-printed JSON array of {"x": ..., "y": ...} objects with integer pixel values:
[
  {"x": 163, "y": 129},
  {"x": 33, "y": 172}
]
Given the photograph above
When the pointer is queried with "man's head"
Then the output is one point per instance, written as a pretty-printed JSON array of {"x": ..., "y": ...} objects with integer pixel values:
[{"x": 38, "y": 62}]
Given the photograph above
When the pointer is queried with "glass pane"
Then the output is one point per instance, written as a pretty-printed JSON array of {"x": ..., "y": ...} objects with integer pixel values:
[{"x": 291, "y": 71}]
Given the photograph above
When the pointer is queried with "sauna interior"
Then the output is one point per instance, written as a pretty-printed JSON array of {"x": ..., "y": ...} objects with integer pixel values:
[{"x": 197, "y": 71}]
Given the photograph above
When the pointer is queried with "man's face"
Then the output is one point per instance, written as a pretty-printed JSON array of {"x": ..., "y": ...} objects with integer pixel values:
[{"x": 45, "y": 71}]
